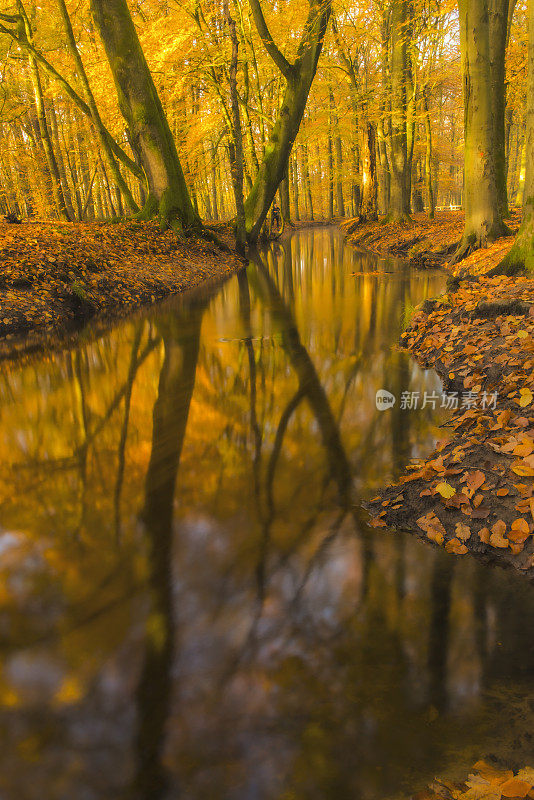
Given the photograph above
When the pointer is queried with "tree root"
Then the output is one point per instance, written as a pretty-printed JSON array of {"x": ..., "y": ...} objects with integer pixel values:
[
  {"x": 404, "y": 220},
  {"x": 478, "y": 241}
]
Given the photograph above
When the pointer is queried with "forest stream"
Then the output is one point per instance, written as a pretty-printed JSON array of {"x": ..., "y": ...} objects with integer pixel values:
[{"x": 191, "y": 602}]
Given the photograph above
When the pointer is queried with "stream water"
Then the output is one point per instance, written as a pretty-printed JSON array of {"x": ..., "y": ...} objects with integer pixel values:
[{"x": 191, "y": 603}]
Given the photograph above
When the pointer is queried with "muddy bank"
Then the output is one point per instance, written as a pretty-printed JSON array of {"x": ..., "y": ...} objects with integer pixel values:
[
  {"x": 475, "y": 493},
  {"x": 55, "y": 277},
  {"x": 424, "y": 243}
]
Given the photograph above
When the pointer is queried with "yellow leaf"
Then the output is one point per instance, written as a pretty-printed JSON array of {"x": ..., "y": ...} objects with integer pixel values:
[
  {"x": 526, "y": 398},
  {"x": 445, "y": 490}
]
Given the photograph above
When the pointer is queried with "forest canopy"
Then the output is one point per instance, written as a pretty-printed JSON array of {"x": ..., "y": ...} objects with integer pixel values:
[{"x": 205, "y": 109}]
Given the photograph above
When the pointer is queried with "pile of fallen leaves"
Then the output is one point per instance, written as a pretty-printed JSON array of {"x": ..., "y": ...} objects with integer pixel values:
[
  {"x": 423, "y": 242},
  {"x": 476, "y": 491},
  {"x": 486, "y": 782},
  {"x": 54, "y": 275}
]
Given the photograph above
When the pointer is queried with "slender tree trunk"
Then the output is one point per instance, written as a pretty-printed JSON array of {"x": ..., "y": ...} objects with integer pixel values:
[
  {"x": 285, "y": 207},
  {"x": 428, "y": 154},
  {"x": 369, "y": 190},
  {"x": 237, "y": 162},
  {"x": 399, "y": 200},
  {"x": 56, "y": 143},
  {"x": 338, "y": 149},
  {"x": 417, "y": 185},
  {"x": 46, "y": 142},
  {"x": 522, "y": 173},
  {"x": 521, "y": 256},
  {"x": 330, "y": 163},
  {"x": 295, "y": 186},
  {"x": 307, "y": 180},
  {"x": 498, "y": 39}
]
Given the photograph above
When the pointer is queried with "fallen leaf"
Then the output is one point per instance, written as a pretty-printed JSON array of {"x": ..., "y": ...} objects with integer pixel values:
[
  {"x": 515, "y": 788},
  {"x": 456, "y": 547},
  {"x": 475, "y": 480},
  {"x": 484, "y": 535},
  {"x": 526, "y": 397},
  {"x": 463, "y": 532},
  {"x": 445, "y": 490}
]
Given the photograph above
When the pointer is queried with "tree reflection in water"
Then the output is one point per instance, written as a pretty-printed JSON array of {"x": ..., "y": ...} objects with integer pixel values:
[{"x": 192, "y": 605}]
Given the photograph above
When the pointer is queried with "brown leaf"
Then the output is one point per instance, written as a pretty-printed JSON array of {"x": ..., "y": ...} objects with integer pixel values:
[{"x": 475, "y": 480}]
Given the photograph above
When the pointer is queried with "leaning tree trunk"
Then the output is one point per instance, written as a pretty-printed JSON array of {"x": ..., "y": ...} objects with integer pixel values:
[
  {"x": 482, "y": 89},
  {"x": 299, "y": 78},
  {"x": 168, "y": 196},
  {"x": 521, "y": 256}
]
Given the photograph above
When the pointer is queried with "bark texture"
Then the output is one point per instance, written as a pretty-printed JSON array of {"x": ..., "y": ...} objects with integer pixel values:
[
  {"x": 168, "y": 196},
  {"x": 482, "y": 43}
]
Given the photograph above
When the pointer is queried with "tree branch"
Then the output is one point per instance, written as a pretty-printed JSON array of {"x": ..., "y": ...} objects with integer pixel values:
[
  {"x": 277, "y": 56},
  {"x": 23, "y": 42}
]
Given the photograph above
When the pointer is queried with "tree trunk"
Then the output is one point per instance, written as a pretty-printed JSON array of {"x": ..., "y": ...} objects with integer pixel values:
[
  {"x": 237, "y": 155},
  {"x": 95, "y": 114},
  {"x": 521, "y": 256},
  {"x": 399, "y": 200},
  {"x": 299, "y": 78},
  {"x": 295, "y": 186},
  {"x": 285, "y": 207},
  {"x": 44, "y": 135},
  {"x": 483, "y": 100},
  {"x": 330, "y": 174},
  {"x": 417, "y": 188},
  {"x": 369, "y": 190},
  {"x": 498, "y": 39},
  {"x": 141, "y": 107},
  {"x": 428, "y": 155},
  {"x": 307, "y": 180}
]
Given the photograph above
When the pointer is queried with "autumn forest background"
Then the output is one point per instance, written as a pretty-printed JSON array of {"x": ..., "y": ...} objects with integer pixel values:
[{"x": 389, "y": 78}]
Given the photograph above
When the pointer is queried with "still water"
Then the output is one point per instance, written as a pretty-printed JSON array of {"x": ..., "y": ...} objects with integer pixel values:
[{"x": 191, "y": 603}]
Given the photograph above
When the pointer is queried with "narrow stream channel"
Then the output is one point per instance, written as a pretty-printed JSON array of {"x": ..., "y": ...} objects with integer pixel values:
[{"x": 191, "y": 604}]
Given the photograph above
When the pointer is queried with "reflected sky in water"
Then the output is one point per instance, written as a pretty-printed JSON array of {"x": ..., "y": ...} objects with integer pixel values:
[{"x": 191, "y": 603}]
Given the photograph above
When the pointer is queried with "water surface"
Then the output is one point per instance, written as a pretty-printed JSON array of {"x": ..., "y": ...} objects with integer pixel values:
[{"x": 191, "y": 603}]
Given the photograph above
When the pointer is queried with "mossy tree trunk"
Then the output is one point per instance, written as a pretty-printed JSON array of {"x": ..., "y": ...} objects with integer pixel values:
[
  {"x": 299, "y": 77},
  {"x": 168, "y": 196},
  {"x": 95, "y": 114},
  {"x": 482, "y": 44},
  {"x": 521, "y": 256}
]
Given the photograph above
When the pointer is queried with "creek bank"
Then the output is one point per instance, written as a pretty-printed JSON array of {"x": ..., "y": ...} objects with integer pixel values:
[
  {"x": 475, "y": 492},
  {"x": 425, "y": 243},
  {"x": 55, "y": 277}
]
